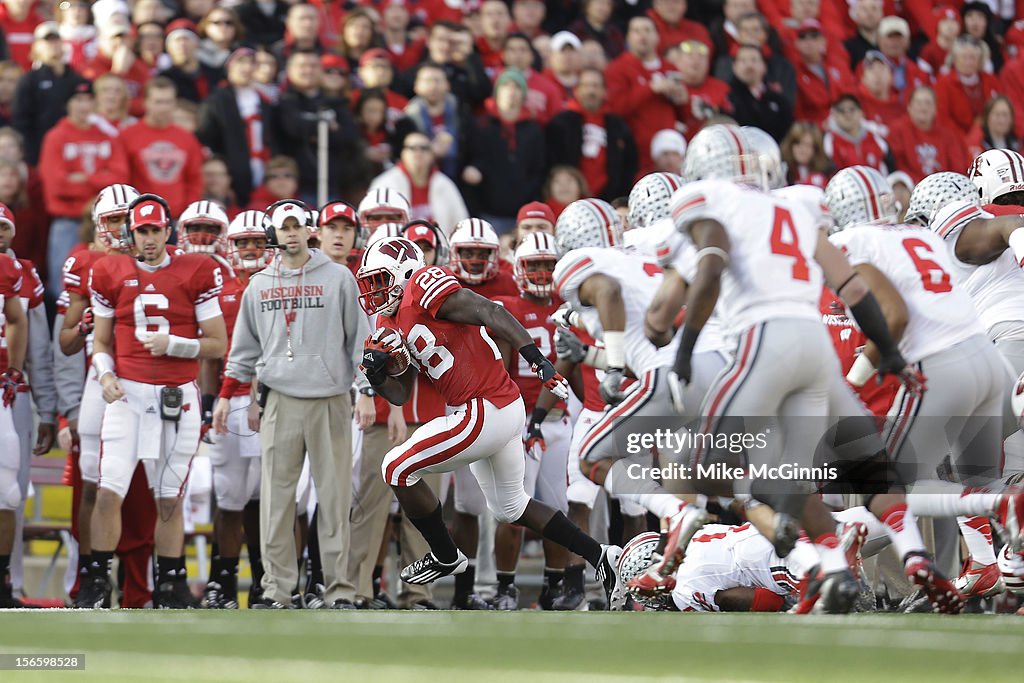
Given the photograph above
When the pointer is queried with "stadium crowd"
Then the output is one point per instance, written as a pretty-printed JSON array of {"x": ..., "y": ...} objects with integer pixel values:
[{"x": 432, "y": 111}]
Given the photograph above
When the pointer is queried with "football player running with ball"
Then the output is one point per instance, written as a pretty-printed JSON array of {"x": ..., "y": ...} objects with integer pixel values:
[{"x": 426, "y": 314}]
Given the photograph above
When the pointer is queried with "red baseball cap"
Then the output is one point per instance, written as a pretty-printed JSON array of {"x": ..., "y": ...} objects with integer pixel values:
[
  {"x": 148, "y": 212},
  {"x": 7, "y": 216},
  {"x": 330, "y": 61},
  {"x": 372, "y": 54},
  {"x": 333, "y": 210},
  {"x": 809, "y": 25},
  {"x": 946, "y": 12},
  {"x": 536, "y": 210},
  {"x": 421, "y": 233}
]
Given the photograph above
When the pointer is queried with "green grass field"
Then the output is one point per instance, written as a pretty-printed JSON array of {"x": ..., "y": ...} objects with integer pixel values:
[{"x": 304, "y": 646}]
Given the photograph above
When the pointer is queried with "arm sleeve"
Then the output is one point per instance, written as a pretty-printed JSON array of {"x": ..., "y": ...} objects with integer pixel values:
[
  {"x": 40, "y": 366},
  {"x": 245, "y": 341},
  {"x": 69, "y": 374}
]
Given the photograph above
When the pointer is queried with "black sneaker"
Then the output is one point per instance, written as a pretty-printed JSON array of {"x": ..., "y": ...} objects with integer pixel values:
[
  {"x": 430, "y": 569},
  {"x": 383, "y": 601},
  {"x": 174, "y": 594},
  {"x": 570, "y": 599},
  {"x": 548, "y": 595},
  {"x": 255, "y": 594},
  {"x": 8, "y": 601},
  {"x": 470, "y": 601},
  {"x": 94, "y": 593},
  {"x": 315, "y": 599},
  {"x": 343, "y": 603},
  {"x": 506, "y": 599},
  {"x": 832, "y": 593},
  {"x": 424, "y": 604},
  {"x": 267, "y": 603}
]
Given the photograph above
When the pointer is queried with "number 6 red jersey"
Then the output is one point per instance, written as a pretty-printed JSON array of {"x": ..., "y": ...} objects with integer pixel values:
[
  {"x": 460, "y": 360},
  {"x": 171, "y": 299}
]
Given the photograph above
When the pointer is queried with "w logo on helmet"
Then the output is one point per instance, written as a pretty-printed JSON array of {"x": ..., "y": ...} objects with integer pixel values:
[{"x": 398, "y": 249}]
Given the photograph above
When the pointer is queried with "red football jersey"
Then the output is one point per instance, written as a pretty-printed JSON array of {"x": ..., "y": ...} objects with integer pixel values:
[
  {"x": 501, "y": 284},
  {"x": 11, "y": 283},
  {"x": 534, "y": 317},
  {"x": 461, "y": 361},
  {"x": 31, "y": 295},
  {"x": 77, "y": 267},
  {"x": 230, "y": 301},
  {"x": 172, "y": 299}
]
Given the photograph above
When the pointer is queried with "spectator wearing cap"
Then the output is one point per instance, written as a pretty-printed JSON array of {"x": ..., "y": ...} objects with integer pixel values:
[
  {"x": 193, "y": 79},
  {"x": 495, "y": 23},
  {"x": 436, "y": 113},
  {"x": 543, "y": 98},
  {"x": 78, "y": 159},
  {"x": 220, "y": 32},
  {"x": 298, "y": 112},
  {"x": 647, "y": 89},
  {"x": 163, "y": 158},
  {"x": 703, "y": 95},
  {"x": 754, "y": 102},
  {"x": 302, "y": 32},
  {"x": 819, "y": 83},
  {"x": 786, "y": 16},
  {"x": 875, "y": 92},
  {"x": 961, "y": 93},
  {"x": 588, "y": 136},
  {"x": 595, "y": 23},
  {"x": 234, "y": 123},
  {"x": 922, "y": 144},
  {"x": 907, "y": 74},
  {"x": 851, "y": 142},
  {"x": 668, "y": 148},
  {"x": 263, "y": 20},
  {"x": 866, "y": 15},
  {"x": 376, "y": 71},
  {"x": 902, "y": 185},
  {"x": 534, "y": 217},
  {"x": 564, "y": 62},
  {"x": 978, "y": 20},
  {"x": 41, "y": 93},
  {"x": 336, "y": 81},
  {"x": 406, "y": 51},
  {"x": 506, "y": 155},
  {"x": 432, "y": 195},
  {"x": 947, "y": 28},
  {"x": 669, "y": 17},
  {"x": 115, "y": 56},
  {"x": 18, "y": 22}
]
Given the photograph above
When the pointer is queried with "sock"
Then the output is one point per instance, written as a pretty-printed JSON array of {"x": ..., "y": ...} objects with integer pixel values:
[
  {"x": 228, "y": 567},
  {"x": 167, "y": 568},
  {"x": 5, "y": 564},
  {"x": 553, "y": 577},
  {"x": 316, "y": 569},
  {"x": 901, "y": 525},
  {"x": 216, "y": 568},
  {"x": 574, "y": 577},
  {"x": 83, "y": 564},
  {"x": 101, "y": 561},
  {"x": 256, "y": 565},
  {"x": 378, "y": 572},
  {"x": 505, "y": 580},
  {"x": 5, "y": 574},
  {"x": 566, "y": 534},
  {"x": 465, "y": 581},
  {"x": 950, "y": 503},
  {"x": 435, "y": 533},
  {"x": 977, "y": 533},
  {"x": 766, "y": 601},
  {"x": 833, "y": 559}
]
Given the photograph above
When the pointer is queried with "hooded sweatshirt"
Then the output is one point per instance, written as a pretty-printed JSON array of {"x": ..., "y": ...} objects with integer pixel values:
[{"x": 316, "y": 307}]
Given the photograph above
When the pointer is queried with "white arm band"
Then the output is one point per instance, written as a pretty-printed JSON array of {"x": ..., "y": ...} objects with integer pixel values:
[
  {"x": 1016, "y": 242},
  {"x": 713, "y": 251},
  {"x": 861, "y": 371},
  {"x": 182, "y": 347},
  {"x": 103, "y": 363},
  {"x": 596, "y": 357},
  {"x": 615, "y": 349}
]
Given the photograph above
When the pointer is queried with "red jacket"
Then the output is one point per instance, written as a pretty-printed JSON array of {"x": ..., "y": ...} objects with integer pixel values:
[
  {"x": 645, "y": 111},
  {"x": 166, "y": 161},
  {"x": 135, "y": 79},
  {"x": 882, "y": 112},
  {"x": 869, "y": 150},
  {"x": 709, "y": 97},
  {"x": 962, "y": 105},
  {"x": 1012, "y": 77},
  {"x": 913, "y": 76},
  {"x": 815, "y": 95},
  {"x": 68, "y": 149},
  {"x": 18, "y": 34},
  {"x": 921, "y": 153},
  {"x": 670, "y": 35}
]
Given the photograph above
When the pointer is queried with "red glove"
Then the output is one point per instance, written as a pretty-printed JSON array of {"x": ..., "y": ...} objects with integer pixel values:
[
  {"x": 86, "y": 324},
  {"x": 12, "y": 382}
]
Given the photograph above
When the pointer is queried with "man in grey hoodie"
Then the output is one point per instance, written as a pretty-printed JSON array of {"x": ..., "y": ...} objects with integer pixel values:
[{"x": 300, "y": 332}]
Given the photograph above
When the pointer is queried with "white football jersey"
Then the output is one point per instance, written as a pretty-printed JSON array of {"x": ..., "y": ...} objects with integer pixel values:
[
  {"x": 812, "y": 198},
  {"x": 917, "y": 264},
  {"x": 771, "y": 272},
  {"x": 996, "y": 288},
  {"x": 639, "y": 278}
]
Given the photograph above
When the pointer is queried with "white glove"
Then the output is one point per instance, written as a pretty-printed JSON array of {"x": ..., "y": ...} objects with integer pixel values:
[{"x": 676, "y": 387}]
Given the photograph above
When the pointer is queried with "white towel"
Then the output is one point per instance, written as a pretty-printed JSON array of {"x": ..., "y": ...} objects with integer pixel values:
[{"x": 151, "y": 429}]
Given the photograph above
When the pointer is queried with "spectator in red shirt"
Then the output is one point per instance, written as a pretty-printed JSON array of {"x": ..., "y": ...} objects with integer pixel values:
[
  {"x": 595, "y": 23},
  {"x": 30, "y": 242},
  {"x": 849, "y": 141},
  {"x": 149, "y": 45},
  {"x": 673, "y": 27},
  {"x": 803, "y": 152},
  {"x": 866, "y": 15},
  {"x": 495, "y": 22},
  {"x": 18, "y": 20},
  {"x": 962, "y": 93},
  {"x": 163, "y": 158},
  {"x": 77, "y": 31},
  {"x": 376, "y": 71},
  {"x": 703, "y": 95},
  {"x": 907, "y": 74},
  {"x": 642, "y": 91},
  {"x": 527, "y": 17},
  {"x": 563, "y": 186},
  {"x": 977, "y": 18},
  {"x": 564, "y": 63},
  {"x": 818, "y": 83},
  {"x": 875, "y": 91},
  {"x": 115, "y": 56},
  {"x": 947, "y": 28},
  {"x": 543, "y": 98},
  {"x": 724, "y": 33},
  {"x": 921, "y": 145},
  {"x": 280, "y": 182},
  {"x": 406, "y": 52},
  {"x": 995, "y": 131}
]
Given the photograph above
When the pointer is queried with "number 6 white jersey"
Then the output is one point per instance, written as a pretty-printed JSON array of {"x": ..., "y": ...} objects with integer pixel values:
[
  {"x": 771, "y": 273},
  {"x": 460, "y": 360},
  {"x": 915, "y": 260}
]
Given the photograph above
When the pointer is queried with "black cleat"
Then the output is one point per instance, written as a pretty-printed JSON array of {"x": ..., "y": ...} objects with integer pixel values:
[
  {"x": 430, "y": 569},
  {"x": 470, "y": 601},
  {"x": 343, "y": 603},
  {"x": 833, "y": 593},
  {"x": 94, "y": 593},
  {"x": 608, "y": 575},
  {"x": 507, "y": 599},
  {"x": 570, "y": 599},
  {"x": 267, "y": 603},
  {"x": 174, "y": 594}
]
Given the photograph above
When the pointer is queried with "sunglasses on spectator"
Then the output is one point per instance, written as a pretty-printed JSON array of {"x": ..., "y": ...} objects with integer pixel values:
[
  {"x": 693, "y": 47},
  {"x": 221, "y": 22},
  {"x": 417, "y": 148}
]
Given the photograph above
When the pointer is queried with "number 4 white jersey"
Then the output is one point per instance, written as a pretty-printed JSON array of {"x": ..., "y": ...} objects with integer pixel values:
[
  {"x": 771, "y": 272},
  {"x": 916, "y": 262}
]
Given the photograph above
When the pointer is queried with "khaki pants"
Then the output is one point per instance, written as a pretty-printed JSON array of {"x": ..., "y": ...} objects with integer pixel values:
[
  {"x": 290, "y": 427},
  {"x": 369, "y": 519}
]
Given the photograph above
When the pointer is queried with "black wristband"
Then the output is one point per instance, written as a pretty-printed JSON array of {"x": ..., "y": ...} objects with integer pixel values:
[
  {"x": 208, "y": 400},
  {"x": 872, "y": 323},
  {"x": 376, "y": 379},
  {"x": 532, "y": 355},
  {"x": 538, "y": 416},
  {"x": 688, "y": 340}
]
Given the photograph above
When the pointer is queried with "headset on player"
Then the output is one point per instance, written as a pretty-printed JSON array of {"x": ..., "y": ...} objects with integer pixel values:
[
  {"x": 127, "y": 234},
  {"x": 442, "y": 248},
  {"x": 278, "y": 212},
  {"x": 339, "y": 209}
]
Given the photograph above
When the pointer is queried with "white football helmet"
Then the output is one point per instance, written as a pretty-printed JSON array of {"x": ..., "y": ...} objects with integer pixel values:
[
  {"x": 384, "y": 230},
  {"x": 997, "y": 172},
  {"x": 769, "y": 156},
  {"x": 536, "y": 247},
  {"x": 587, "y": 223},
  {"x": 860, "y": 194},
  {"x": 203, "y": 212},
  {"x": 313, "y": 223},
  {"x": 1010, "y": 565},
  {"x": 648, "y": 200},
  {"x": 723, "y": 152},
  {"x": 937, "y": 191},
  {"x": 384, "y": 272},
  {"x": 635, "y": 560},
  {"x": 112, "y": 202},
  {"x": 247, "y": 225},
  {"x": 383, "y": 205},
  {"x": 474, "y": 234}
]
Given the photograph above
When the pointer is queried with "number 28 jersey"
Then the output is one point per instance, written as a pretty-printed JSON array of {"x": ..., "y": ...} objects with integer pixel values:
[
  {"x": 171, "y": 299},
  {"x": 771, "y": 273},
  {"x": 460, "y": 360}
]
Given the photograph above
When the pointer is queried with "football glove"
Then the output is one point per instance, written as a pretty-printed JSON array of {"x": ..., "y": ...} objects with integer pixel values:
[
  {"x": 565, "y": 317},
  {"x": 534, "y": 439},
  {"x": 568, "y": 346},
  {"x": 611, "y": 386},
  {"x": 912, "y": 379},
  {"x": 12, "y": 382},
  {"x": 676, "y": 387},
  {"x": 85, "y": 325},
  {"x": 545, "y": 371}
]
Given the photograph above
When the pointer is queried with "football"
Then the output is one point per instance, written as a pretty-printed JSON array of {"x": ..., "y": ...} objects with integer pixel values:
[{"x": 397, "y": 362}]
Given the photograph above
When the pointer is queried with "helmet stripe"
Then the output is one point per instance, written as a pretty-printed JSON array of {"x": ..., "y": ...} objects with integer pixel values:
[
  {"x": 739, "y": 148},
  {"x": 869, "y": 191},
  {"x": 1013, "y": 165}
]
